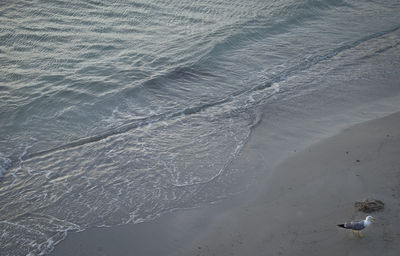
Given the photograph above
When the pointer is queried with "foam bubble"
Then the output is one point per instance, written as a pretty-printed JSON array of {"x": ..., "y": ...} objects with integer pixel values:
[{"x": 5, "y": 164}]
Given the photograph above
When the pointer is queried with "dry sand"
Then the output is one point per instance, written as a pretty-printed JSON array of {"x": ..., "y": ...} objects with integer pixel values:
[{"x": 294, "y": 211}]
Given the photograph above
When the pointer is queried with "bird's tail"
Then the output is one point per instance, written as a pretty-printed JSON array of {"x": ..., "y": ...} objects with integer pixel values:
[{"x": 341, "y": 225}]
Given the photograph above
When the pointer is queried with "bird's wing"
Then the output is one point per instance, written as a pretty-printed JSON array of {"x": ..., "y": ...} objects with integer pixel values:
[{"x": 355, "y": 225}]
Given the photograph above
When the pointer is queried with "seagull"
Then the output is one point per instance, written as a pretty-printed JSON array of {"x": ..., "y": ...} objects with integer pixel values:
[{"x": 358, "y": 225}]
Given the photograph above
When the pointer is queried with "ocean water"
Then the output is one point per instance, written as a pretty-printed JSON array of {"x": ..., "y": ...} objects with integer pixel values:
[{"x": 117, "y": 111}]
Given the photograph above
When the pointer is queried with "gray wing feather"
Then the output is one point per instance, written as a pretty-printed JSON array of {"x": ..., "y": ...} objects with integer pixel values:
[{"x": 355, "y": 225}]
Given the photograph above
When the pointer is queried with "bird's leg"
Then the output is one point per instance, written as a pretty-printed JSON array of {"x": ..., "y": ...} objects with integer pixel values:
[
  {"x": 360, "y": 235},
  {"x": 352, "y": 231}
]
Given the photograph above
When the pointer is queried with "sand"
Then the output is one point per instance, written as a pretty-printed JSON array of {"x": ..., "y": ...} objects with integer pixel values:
[{"x": 293, "y": 211}]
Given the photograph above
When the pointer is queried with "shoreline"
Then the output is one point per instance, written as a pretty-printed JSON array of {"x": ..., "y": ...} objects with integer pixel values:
[{"x": 294, "y": 211}]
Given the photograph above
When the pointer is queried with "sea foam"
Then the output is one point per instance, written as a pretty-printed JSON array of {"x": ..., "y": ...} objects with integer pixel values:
[{"x": 5, "y": 164}]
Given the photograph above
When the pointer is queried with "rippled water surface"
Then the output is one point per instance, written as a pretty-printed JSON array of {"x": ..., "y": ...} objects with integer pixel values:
[{"x": 119, "y": 111}]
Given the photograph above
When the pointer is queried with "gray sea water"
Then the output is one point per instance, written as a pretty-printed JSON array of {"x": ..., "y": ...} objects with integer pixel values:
[{"x": 117, "y": 111}]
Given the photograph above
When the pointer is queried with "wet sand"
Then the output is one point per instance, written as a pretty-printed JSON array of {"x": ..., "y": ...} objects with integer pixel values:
[{"x": 293, "y": 211}]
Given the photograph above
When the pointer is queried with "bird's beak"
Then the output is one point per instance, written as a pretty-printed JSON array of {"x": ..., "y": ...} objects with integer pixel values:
[{"x": 373, "y": 219}]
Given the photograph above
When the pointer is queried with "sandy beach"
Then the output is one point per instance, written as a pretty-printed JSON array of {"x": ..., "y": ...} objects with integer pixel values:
[{"x": 295, "y": 211}]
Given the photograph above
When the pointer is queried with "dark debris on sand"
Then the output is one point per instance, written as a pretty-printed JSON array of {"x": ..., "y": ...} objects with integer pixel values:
[{"x": 369, "y": 205}]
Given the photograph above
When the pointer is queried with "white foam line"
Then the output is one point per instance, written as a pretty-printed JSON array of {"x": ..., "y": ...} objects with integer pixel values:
[{"x": 23, "y": 227}]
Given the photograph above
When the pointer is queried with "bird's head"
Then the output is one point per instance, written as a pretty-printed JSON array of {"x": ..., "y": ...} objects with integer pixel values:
[{"x": 370, "y": 218}]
